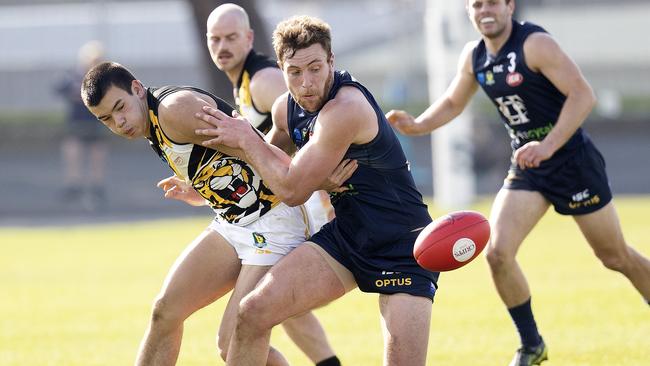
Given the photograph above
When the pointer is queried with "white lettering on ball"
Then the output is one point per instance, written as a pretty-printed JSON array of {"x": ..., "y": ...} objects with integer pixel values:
[{"x": 464, "y": 249}]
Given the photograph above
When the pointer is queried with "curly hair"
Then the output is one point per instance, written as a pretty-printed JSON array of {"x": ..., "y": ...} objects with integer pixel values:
[{"x": 300, "y": 32}]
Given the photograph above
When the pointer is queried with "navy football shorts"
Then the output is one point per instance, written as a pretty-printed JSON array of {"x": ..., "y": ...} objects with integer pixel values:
[
  {"x": 388, "y": 268},
  {"x": 575, "y": 185}
]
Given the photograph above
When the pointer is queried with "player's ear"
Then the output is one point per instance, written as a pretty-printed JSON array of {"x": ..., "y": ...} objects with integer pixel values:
[
  {"x": 137, "y": 88},
  {"x": 331, "y": 60},
  {"x": 250, "y": 35}
]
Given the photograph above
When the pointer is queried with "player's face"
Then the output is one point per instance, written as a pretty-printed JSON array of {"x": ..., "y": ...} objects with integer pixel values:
[
  {"x": 123, "y": 113},
  {"x": 490, "y": 17},
  {"x": 308, "y": 75},
  {"x": 229, "y": 42}
]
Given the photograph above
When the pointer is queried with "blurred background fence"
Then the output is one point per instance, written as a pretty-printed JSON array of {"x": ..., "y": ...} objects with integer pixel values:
[{"x": 380, "y": 41}]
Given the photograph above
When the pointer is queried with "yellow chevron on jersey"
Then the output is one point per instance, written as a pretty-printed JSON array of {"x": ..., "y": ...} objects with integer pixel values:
[
  {"x": 231, "y": 186},
  {"x": 244, "y": 99},
  {"x": 160, "y": 136}
]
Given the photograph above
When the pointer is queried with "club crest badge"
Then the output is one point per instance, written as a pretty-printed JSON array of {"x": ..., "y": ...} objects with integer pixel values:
[
  {"x": 489, "y": 78},
  {"x": 514, "y": 79},
  {"x": 259, "y": 240},
  {"x": 481, "y": 78}
]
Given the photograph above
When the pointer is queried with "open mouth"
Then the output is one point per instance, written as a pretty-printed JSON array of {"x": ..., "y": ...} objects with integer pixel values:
[
  {"x": 239, "y": 193},
  {"x": 487, "y": 20}
]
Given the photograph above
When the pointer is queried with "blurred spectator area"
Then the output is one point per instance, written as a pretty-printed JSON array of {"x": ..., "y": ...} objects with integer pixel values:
[
  {"x": 380, "y": 41},
  {"x": 39, "y": 39}
]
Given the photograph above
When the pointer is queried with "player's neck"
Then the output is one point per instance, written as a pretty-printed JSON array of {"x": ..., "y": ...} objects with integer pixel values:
[
  {"x": 234, "y": 74},
  {"x": 147, "y": 128}
]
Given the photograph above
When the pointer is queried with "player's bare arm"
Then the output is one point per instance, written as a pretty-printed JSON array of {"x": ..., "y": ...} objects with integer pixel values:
[
  {"x": 266, "y": 86},
  {"x": 176, "y": 117},
  {"x": 279, "y": 136},
  {"x": 345, "y": 120},
  {"x": 545, "y": 56},
  {"x": 445, "y": 108},
  {"x": 279, "y": 133}
]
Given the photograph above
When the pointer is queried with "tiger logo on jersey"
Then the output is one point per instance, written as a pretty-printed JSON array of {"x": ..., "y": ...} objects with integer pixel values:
[{"x": 233, "y": 189}]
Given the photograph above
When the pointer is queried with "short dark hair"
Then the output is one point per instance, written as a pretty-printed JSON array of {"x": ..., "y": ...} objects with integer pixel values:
[
  {"x": 300, "y": 32},
  {"x": 100, "y": 78}
]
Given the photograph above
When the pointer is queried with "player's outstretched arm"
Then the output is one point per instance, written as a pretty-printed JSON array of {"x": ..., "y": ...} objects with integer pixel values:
[
  {"x": 177, "y": 189},
  {"x": 445, "y": 108}
]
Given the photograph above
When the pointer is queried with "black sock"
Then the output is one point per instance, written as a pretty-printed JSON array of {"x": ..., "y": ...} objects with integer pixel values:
[
  {"x": 332, "y": 361},
  {"x": 523, "y": 317}
]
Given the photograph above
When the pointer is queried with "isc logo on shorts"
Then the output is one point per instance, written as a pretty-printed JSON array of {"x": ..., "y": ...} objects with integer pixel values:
[
  {"x": 583, "y": 199},
  {"x": 259, "y": 240}
]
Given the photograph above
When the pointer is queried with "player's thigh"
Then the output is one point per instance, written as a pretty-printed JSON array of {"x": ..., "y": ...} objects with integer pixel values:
[
  {"x": 406, "y": 320},
  {"x": 206, "y": 270},
  {"x": 602, "y": 229},
  {"x": 302, "y": 280},
  {"x": 514, "y": 214},
  {"x": 249, "y": 276}
]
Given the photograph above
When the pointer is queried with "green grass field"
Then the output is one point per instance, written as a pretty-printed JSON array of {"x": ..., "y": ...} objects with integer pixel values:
[{"x": 81, "y": 296}]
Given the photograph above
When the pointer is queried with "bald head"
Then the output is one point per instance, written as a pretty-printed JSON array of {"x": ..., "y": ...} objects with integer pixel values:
[
  {"x": 229, "y": 39},
  {"x": 228, "y": 13}
]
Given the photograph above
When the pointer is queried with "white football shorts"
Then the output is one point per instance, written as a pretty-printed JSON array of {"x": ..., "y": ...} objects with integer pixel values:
[
  {"x": 320, "y": 210},
  {"x": 267, "y": 239}
]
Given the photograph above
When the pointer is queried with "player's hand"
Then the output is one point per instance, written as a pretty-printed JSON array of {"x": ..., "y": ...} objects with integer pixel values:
[
  {"x": 343, "y": 172},
  {"x": 177, "y": 189},
  {"x": 403, "y": 122},
  {"x": 532, "y": 154},
  {"x": 226, "y": 131}
]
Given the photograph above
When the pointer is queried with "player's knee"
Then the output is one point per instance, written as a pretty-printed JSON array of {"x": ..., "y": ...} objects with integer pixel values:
[
  {"x": 163, "y": 312},
  {"x": 497, "y": 257},
  {"x": 614, "y": 260},
  {"x": 252, "y": 314},
  {"x": 248, "y": 311}
]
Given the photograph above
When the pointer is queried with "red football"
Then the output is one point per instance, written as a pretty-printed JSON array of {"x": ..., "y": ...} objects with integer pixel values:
[{"x": 451, "y": 241}]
